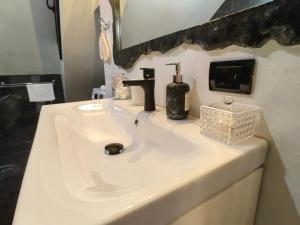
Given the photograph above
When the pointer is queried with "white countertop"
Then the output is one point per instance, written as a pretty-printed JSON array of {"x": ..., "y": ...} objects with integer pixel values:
[{"x": 44, "y": 200}]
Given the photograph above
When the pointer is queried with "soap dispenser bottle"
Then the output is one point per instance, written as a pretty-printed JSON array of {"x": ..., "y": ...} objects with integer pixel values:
[{"x": 177, "y": 99}]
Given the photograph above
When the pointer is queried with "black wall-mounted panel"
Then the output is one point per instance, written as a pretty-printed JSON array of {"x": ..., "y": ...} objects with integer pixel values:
[{"x": 232, "y": 76}]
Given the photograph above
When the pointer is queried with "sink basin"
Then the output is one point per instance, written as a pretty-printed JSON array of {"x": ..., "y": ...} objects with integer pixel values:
[
  {"x": 151, "y": 156},
  {"x": 167, "y": 166}
]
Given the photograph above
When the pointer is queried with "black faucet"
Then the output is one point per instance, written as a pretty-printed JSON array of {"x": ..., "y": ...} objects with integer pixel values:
[{"x": 148, "y": 85}]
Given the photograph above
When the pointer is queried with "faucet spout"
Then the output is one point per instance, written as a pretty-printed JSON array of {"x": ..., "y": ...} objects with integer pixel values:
[{"x": 148, "y": 87}]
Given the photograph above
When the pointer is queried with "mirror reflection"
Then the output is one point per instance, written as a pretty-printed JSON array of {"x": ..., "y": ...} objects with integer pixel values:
[{"x": 144, "y": 20}]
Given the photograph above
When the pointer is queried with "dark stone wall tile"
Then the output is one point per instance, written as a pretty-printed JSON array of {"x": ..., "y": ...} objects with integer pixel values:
[{"x": 18, "y": 121}]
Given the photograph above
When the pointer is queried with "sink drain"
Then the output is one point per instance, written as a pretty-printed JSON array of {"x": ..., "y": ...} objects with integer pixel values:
[{"x": 114, "y": 149}]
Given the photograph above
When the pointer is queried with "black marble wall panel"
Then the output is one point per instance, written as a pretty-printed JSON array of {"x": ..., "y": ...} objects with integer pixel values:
[
  {"x": 234, "y": 6},
  {"x": 18, "y": 121}
]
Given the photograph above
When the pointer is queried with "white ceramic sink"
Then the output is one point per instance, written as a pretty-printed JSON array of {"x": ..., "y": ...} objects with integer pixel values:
[
  {"x": 152, "y": 154},
  {"x": 167, "y": 167}
]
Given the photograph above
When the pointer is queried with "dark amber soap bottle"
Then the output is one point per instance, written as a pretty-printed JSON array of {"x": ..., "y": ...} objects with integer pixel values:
[{"x": 177, "y": 98}]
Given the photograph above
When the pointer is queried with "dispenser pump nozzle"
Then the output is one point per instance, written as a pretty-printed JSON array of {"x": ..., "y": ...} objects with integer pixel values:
[{"x": 178, "y": 76}]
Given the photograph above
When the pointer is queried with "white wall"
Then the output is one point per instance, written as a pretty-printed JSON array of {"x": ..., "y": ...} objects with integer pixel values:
[
  {"x": 27, "y": 38},
  {"x": 83, "y": 69},
  {"x": 276, "y": 92}
]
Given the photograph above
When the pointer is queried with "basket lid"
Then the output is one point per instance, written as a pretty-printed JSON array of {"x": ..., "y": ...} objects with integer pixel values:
[{"x": 234, "y": 107}]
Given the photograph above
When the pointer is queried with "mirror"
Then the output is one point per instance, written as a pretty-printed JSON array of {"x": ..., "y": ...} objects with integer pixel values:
[
  {"x": 144, "y": 20},
  {"x": 143, "y": 26}
]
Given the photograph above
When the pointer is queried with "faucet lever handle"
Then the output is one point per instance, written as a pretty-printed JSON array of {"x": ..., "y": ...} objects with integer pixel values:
[{"x": 148, "y": 73}]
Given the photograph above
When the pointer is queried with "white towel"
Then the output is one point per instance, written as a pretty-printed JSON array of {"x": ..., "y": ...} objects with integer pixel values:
[
  {"x": 104, "y": 47},
  {"x": 40, "y": 92}
]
